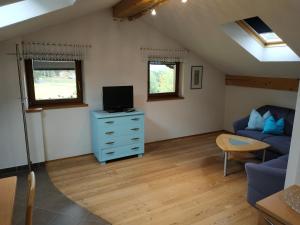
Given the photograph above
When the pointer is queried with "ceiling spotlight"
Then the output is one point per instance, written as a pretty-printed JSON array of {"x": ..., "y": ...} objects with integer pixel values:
[
  {"x": 184, "y": 1},
  {"x": 153, "y": 12}
]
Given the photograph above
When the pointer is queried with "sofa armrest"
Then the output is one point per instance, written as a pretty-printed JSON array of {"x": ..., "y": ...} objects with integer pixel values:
[
  {"x": 265, "y": 180},
  {"x": 240, "y": 124}
]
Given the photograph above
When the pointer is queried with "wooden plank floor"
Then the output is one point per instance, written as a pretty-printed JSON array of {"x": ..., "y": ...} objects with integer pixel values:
[{"x": 177, "y": 182}]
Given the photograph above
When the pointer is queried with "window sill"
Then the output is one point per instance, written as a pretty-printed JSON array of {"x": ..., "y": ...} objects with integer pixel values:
[
  {"x": 65, "y": 106},
  {"x": 161, "y": 98}
]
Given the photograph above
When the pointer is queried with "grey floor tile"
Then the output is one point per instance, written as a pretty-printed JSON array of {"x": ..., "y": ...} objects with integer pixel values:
[
  {"x": 41, "y": 216},
  {"x": 51, "y": 206},
  {"x": 74, "y": 211},
  {"x": 50, "y": 201},
  {"x": 94, "y": 218},
  {"x": 86, "y": 222},
  {"x": 61, "y": 205},
  {"x": 64, "y": 220},
  {"x": 19, "y": 214}
]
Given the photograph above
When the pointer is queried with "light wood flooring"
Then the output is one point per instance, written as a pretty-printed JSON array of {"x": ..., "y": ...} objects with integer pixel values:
[{"x": 177, "y": 182}]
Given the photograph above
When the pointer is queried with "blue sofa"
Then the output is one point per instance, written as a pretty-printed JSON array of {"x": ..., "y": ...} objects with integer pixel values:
[
  {"x": 280, "y": 144},
  {"x": 268, "y": 178}
]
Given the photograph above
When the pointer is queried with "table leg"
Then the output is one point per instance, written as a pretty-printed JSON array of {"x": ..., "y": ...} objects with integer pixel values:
[
  {"x": 264, "y": 156},
  {"x": 225, "y": 163}
]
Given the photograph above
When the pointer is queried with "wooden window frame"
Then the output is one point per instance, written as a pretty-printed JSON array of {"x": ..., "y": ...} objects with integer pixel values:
[
  {"x": 256, "y": 36},
  {"x": 32, "y": 102},
  {"x": 167, "y": 95}
]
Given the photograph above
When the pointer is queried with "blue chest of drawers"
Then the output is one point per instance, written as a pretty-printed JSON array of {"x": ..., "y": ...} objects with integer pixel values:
[{"x": 117, "y": 135}]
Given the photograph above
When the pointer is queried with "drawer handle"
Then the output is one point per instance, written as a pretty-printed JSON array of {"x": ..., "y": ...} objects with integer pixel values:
[
  {"x": 135, "y": 139},
  {"x": 110, "y": 143},
  {"x": 109, "y": 122},
  {"x": 135, "y": 148},
  {"x": 135, "y": 129},
  {"x": 109, "y": 133},
  {"x": 110, "y": 153},
  {"x": 135, "y": 119}
]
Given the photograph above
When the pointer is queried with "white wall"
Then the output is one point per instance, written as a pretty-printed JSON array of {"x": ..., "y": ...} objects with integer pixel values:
[
  {"x": 12, "y": 142},
  {"x": 293, "y": 170},
  {"x": 239, "y": 101},
  {"x": 12, "y": 139},
  {"x": 115, "y": 59},
  {"x": 35, "y": 137},
  {"x": 66, "y": 132}
]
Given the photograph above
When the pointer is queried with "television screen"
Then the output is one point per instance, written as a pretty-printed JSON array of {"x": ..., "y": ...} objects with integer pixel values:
[{"x": 117, "y": 98}]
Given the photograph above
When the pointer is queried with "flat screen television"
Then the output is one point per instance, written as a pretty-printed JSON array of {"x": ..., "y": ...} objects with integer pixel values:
[{"x": 117, "y": 98}]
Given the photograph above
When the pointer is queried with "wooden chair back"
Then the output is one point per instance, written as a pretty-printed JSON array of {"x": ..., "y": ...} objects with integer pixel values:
[{"x": 30, "y": 197}]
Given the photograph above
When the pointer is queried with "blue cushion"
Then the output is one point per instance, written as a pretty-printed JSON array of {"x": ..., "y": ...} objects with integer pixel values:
[
  {"x": 280, "y": 144},
  {"x": 256, "y": 121},
  {"x": 274, "y": 127},
  {"x": 258, "y": 135},
  {"x": 281, "y": 112}
]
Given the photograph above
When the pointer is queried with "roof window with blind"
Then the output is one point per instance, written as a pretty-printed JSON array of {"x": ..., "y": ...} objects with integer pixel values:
[{"x": 261, "y": 31}]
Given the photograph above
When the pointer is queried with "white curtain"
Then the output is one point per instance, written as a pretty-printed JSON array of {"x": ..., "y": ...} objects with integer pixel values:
[
  {"x": 54, "y": 51},
  {"x": 164, "y": 55}
]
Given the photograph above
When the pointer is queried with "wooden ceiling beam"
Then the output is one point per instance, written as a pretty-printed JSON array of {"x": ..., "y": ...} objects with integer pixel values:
[
  {"x": 275, "y": 83},
  {"x": 132, "y": 9}
]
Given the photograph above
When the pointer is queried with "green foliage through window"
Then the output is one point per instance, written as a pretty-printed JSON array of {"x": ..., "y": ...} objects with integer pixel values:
[{"x": 162, "y": 78}]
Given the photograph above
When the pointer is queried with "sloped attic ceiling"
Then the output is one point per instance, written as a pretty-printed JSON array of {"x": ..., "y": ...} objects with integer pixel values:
[
  {"x": 197, "y": 26},
  {"x": 5, "y": 2},
  {"x": 79, "y": 8}
]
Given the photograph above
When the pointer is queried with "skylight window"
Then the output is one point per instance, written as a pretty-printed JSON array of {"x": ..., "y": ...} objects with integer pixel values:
[
  {"x": 15, "y": 11},
  {"x": 257, "y": 38},
  {"x": 261, "y": 31},
  {"x": 271, "y": 37}
]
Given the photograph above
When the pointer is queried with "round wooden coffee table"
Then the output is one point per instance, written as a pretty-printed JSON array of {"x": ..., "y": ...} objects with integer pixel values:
[{"x": 239, "y": 148}]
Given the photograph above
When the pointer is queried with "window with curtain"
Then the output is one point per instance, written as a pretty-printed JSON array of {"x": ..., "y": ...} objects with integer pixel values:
[{"x": 51, "y": 83}]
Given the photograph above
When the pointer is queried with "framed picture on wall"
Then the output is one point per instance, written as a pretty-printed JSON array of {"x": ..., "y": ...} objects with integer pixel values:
[{"x": 196, "y": 77}]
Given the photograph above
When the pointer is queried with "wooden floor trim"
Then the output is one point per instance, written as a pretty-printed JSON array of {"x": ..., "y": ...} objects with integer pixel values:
[
  {"x": 188, "y": 136},
  {"x": 72, "y": 157}
]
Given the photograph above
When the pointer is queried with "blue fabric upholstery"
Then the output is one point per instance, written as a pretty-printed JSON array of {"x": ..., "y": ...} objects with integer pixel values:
[
  {"x": 279, "y": 144},
  {"x": 280, "y": 163},
  {"x": 268, "y": 178},
  {"x": 265, "y": 179},
  {"x": 289, "y": 120},
  {"x": 240, "y": 124},
  {"x": 281, "y": 112},
  {"x": 258, "y": 135}
]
